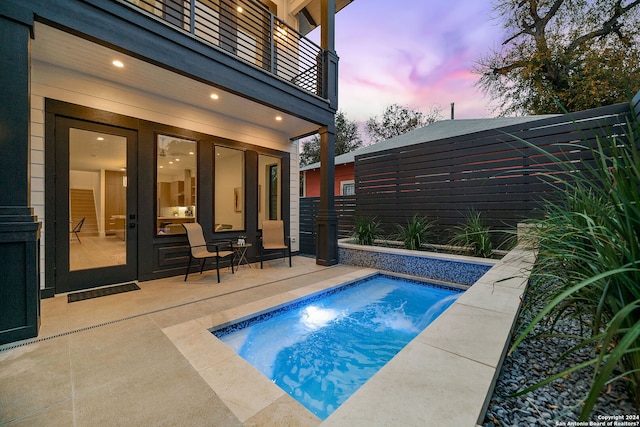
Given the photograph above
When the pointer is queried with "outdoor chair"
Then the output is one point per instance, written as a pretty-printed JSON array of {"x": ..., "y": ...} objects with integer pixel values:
[
  {"x": 77, "y": 228},
  {"x": 199, "y": 249},
  {"x": 273, "y": 239}
]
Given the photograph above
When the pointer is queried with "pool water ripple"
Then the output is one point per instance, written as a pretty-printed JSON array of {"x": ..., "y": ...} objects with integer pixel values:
[{"x": 322, "y": 351}]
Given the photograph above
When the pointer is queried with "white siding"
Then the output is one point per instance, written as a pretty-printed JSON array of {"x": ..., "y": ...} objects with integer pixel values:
[{"x": 37, "y": 169}]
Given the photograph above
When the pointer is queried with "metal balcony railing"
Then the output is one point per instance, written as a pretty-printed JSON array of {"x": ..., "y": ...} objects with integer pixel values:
[{"x": 249, "y": 31}]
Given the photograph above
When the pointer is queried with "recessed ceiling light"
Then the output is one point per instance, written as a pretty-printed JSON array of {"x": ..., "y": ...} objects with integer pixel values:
[
  {"x": 239, "y": 9},
  {"x": 100, "y": 138},
  {"x": 177, "y": 160},
  {"x": 214, "y": 96},
  {"x": 278, "y": 118},
  {"x": 118, "y": 64},
  {"x": 170, "y": 163},
  {"x": 191, "y": 152}
]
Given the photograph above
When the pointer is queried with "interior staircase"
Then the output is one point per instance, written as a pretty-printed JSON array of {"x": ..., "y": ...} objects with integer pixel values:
[{"x": 83, "y": 205}]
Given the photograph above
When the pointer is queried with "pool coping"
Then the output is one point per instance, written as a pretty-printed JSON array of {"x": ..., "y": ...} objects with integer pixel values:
[{"x": 444, "y": 376}]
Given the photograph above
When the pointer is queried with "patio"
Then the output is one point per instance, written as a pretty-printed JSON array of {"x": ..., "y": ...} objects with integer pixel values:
[{"x": 146, "y": 357}]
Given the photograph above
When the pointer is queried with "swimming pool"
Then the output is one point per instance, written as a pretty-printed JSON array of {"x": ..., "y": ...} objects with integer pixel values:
[{"x": 321, "y": 349}]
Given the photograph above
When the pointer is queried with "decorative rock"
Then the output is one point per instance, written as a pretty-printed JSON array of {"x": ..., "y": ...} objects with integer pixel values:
[{"x": 558, "y": 401}]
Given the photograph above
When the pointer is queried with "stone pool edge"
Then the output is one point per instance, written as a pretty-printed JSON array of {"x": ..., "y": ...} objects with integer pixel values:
[
  {"x": 243, "y": 389},
  {"x": 445, "y": 376}
]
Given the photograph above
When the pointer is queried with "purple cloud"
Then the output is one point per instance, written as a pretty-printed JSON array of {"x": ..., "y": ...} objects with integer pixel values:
[{"x": 416, "y": 53}]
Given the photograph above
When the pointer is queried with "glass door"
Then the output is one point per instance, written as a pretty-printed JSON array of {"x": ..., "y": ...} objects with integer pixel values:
[{"x": 96, "y": 212}]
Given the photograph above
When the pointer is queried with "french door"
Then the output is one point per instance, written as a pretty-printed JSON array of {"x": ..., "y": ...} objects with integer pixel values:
[{"x": 95, "y": 205}]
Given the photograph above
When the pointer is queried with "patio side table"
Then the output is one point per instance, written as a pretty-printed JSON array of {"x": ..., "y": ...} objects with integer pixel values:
[{"x": 241, "y": 253}]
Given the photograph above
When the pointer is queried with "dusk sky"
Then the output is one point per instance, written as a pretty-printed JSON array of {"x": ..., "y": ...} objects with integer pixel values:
[{"x": 416, "y": 53}]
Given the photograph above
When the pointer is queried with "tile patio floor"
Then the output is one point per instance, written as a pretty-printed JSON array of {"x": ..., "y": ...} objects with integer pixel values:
[
  {"x": 126, "y": 371},
  {"x": 145, "y": 358}
]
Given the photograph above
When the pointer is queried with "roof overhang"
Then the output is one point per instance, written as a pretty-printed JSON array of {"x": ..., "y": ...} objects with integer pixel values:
[
  {"x": 308, "y": 13},
  {"x": 78, "y": 55}
]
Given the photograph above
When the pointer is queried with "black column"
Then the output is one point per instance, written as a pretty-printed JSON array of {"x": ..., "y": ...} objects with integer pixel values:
[
  {"x": 327, "y": 219},
  {"x": 19, "y": 230},
  {"x": 330, "y": 59}
]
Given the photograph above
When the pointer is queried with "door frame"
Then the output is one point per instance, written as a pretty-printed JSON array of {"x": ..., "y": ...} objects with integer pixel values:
[{"x": 61, "y": 116}]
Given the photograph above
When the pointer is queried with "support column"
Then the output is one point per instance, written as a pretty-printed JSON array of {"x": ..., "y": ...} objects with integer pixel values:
[
  {"x": 330, "y": 59},
  {"x": 327, "y": 219},
  {"x": 19, "y": 229}
]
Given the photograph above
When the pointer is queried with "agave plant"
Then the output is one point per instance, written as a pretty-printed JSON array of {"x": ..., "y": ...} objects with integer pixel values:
[
  {"x": 415, "y": 233},
  {"x": 589, "y": 250},
  {"x": 366, "y": 230},
  {"x": 473, "y": 234}
]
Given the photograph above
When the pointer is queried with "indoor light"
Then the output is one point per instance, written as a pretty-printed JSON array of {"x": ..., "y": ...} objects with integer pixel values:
[
  {"x": 118, "y": 64},
  {"x": 279, "y": 118},
  {"x": 214, "y": 96}
]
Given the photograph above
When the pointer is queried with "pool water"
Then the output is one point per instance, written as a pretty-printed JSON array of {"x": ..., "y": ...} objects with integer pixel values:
[{"x": 321, "y": 350}]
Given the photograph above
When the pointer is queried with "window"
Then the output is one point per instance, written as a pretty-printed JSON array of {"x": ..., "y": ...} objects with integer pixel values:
[
  {"x": 176, "y": 184},
  {"x": 269, "y": 194},
  {"x": 347, "y": 188},
  {"x": 229, "y": 189}
]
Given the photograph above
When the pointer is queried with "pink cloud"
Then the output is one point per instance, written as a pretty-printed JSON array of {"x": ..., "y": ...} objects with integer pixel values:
[{"x": 420, "y": 54}]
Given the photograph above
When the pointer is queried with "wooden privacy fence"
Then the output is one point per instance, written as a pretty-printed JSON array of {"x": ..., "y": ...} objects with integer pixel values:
[
  {"x": 345, "y": 208},
  {"x": 493, "y": 172}
]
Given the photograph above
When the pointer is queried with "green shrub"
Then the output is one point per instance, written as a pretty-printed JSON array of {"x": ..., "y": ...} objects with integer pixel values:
[
  {"x": 415, "y": 233},
  {"x": 473, "y": 234},
  {"x": 366, "y": 230},
  {"x": 588, "y": 266}
]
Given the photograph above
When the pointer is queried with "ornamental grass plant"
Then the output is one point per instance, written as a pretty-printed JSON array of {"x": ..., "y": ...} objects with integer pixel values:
[
  {"x": 588, "y": 266},
  {"x": 415, "y": 233},
  {"x": 473, "y": 234},
  {"x": 366, "y": 230}
]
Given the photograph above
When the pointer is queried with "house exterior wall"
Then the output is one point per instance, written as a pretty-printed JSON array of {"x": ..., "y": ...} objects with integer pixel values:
[
  {"x": 39, "y": 98},
  {"x": 52, "y": 82},
  {"x": 312, "y": 182}
]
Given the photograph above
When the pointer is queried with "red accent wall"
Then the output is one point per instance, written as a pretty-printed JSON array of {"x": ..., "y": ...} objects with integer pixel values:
[{"x": 342, "y": 173}]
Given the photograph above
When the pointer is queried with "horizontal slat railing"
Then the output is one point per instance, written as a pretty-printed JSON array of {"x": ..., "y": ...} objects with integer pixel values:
[{"x": 248, "y": 31}]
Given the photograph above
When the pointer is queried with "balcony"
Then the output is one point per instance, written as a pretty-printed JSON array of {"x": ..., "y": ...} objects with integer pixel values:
[{"x": 248, "y": 31}]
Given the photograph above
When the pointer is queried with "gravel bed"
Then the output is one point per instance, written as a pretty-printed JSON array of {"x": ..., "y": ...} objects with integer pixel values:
[{"x": 557, "y": 403}]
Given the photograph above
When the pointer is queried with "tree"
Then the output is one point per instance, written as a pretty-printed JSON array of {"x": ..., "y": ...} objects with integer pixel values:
[
  {"x": 396, "y": 120},
  {"x": 573, "y": 54},
  {"x": 347, "y": 140}
]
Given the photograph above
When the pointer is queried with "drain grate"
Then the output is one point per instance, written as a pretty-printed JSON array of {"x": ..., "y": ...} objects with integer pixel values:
[{"x": 101, "y": 292}]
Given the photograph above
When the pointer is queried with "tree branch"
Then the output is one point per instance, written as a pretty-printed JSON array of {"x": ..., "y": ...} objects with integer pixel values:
[
  {"x": 506, "y": 69},
  {"x": 609, "y": 26},
  {"x": 552, "y": 12}
]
